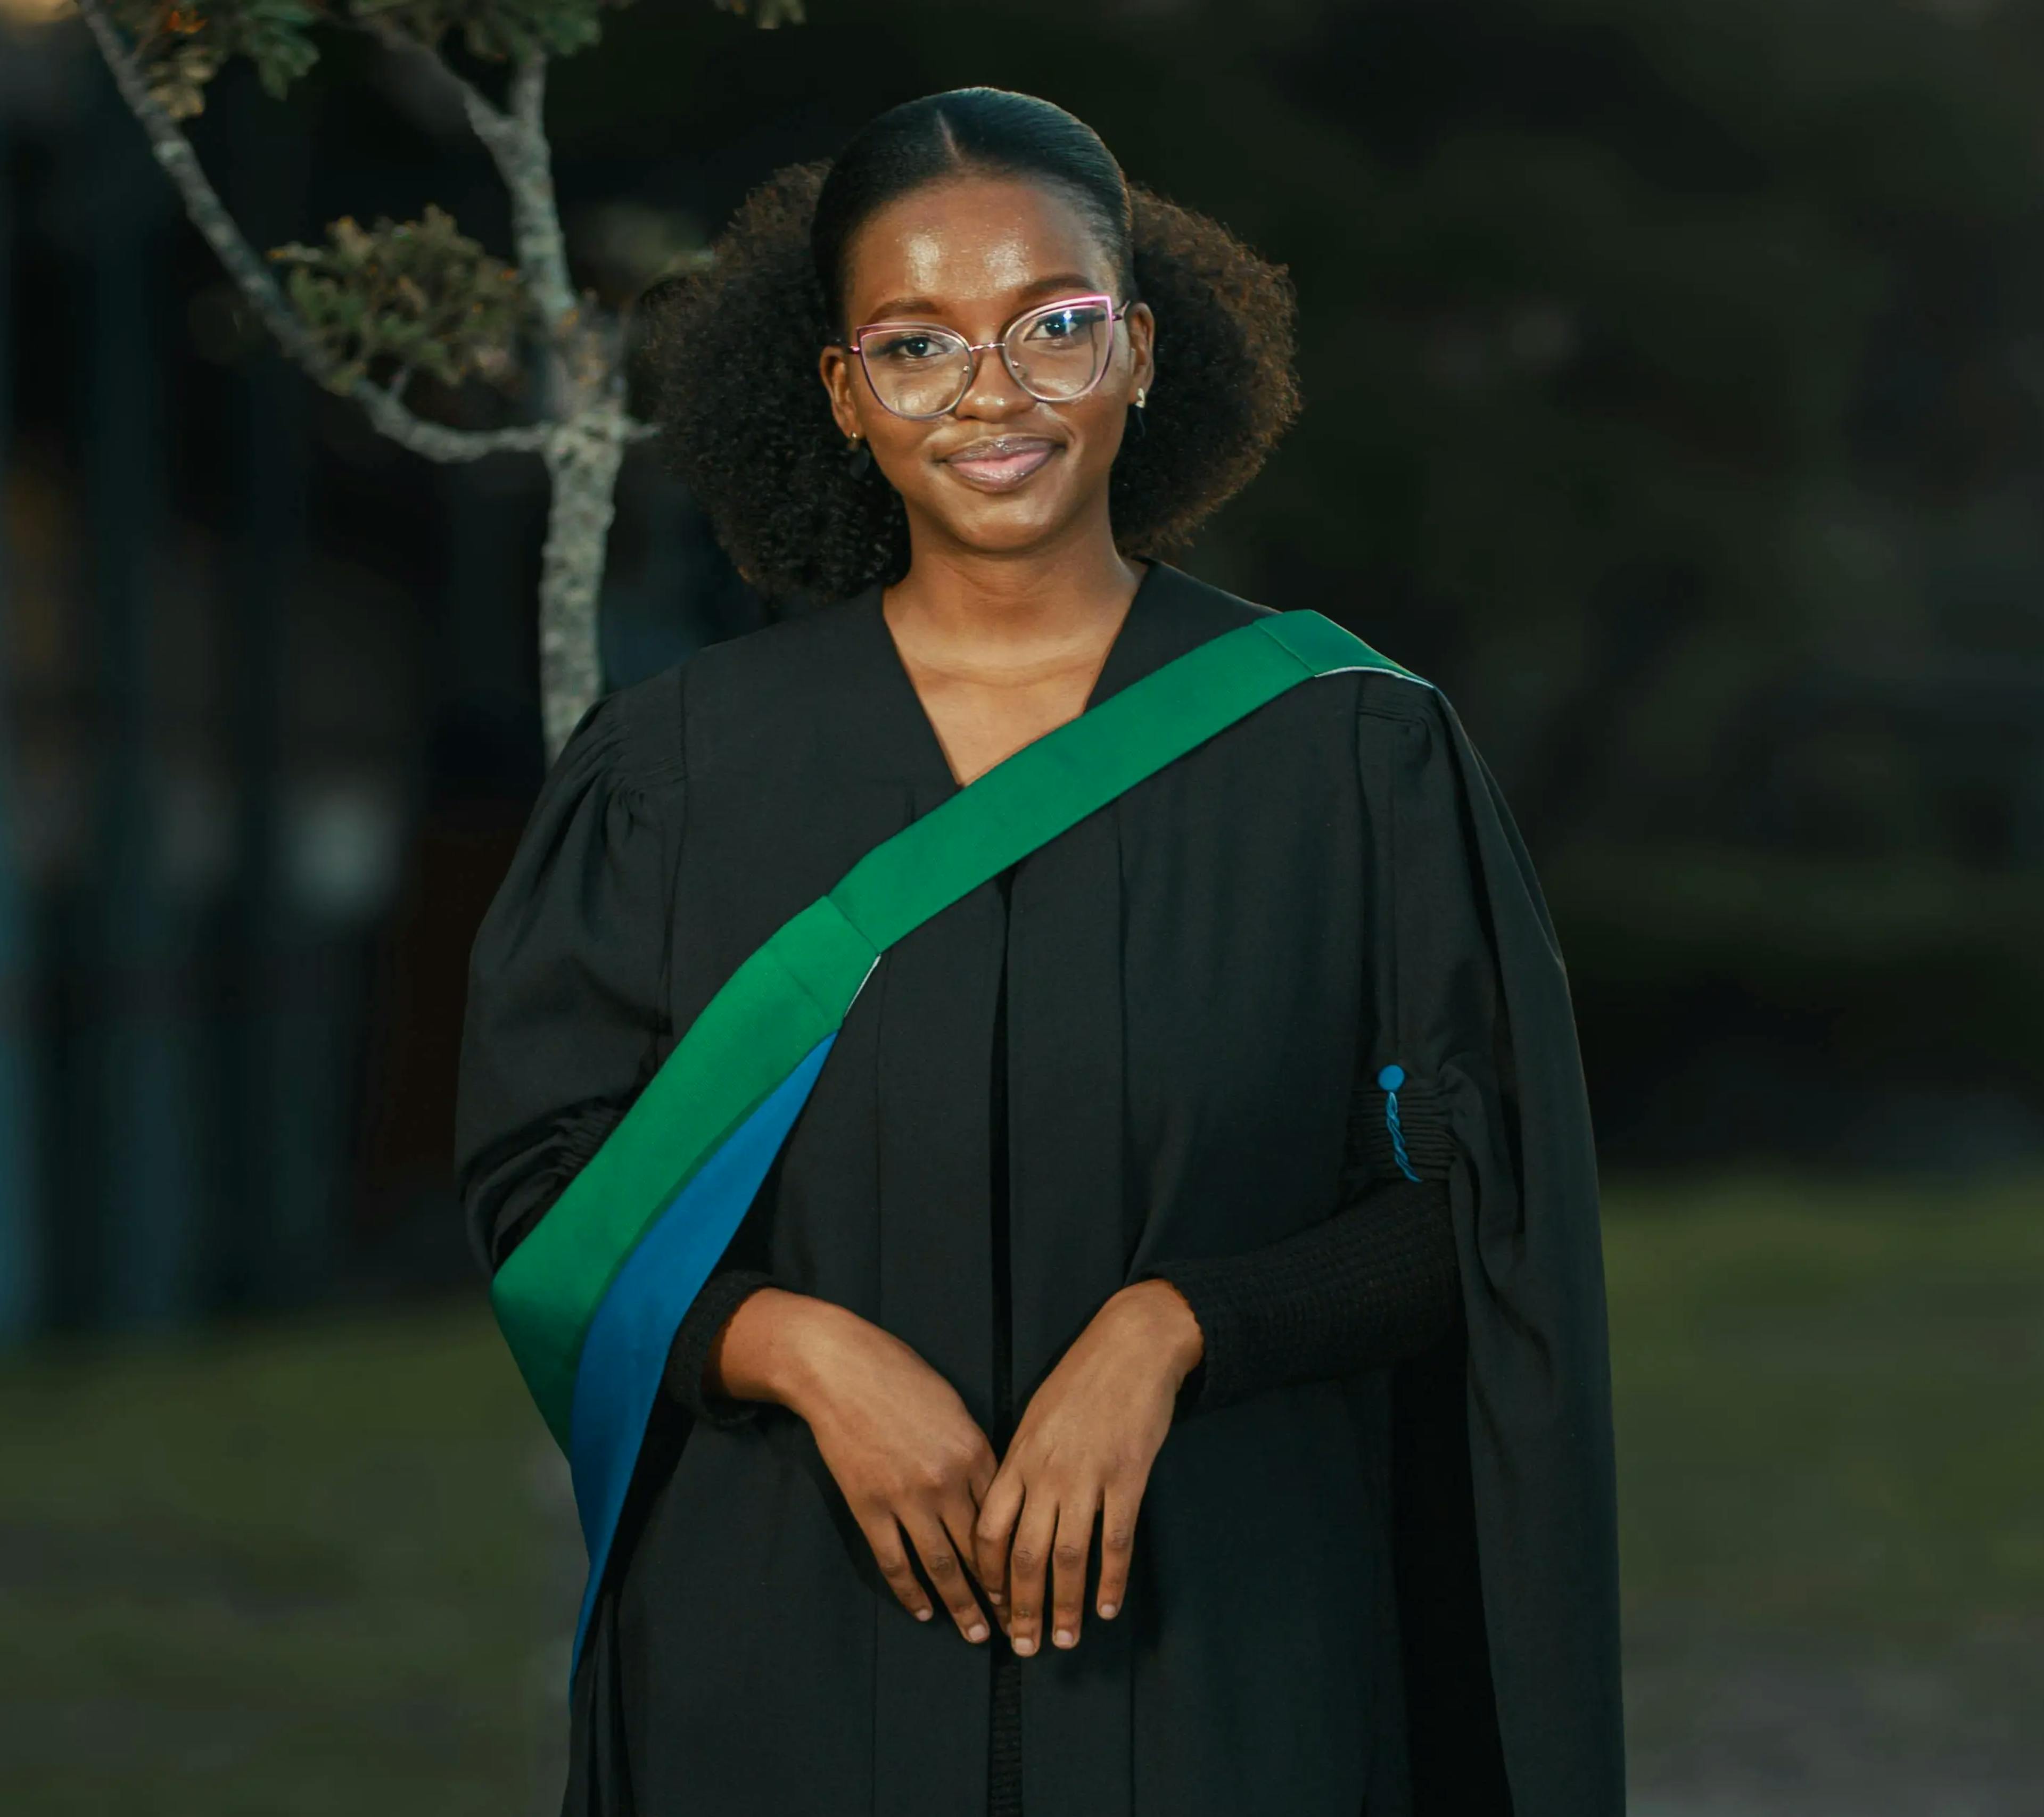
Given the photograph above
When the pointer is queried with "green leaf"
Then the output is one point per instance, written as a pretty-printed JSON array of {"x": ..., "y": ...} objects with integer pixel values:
[
  {"x": 182, "y": 44},
  {"x": 405, "y": 297}
]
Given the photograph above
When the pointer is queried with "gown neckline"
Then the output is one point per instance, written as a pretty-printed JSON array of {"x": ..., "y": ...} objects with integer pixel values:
[{"x": 1122, "y": 653}]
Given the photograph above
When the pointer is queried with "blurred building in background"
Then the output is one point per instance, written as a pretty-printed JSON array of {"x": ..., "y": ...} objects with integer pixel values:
[
  {"x": 269, "y": 711},
  {"x": 1675, "y": 397}
]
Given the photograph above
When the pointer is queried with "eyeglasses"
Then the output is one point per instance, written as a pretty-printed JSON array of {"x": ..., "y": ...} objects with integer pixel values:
[{"x": 1055, "y": 352}]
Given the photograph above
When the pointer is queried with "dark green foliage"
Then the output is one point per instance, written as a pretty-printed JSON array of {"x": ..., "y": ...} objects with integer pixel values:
[
  {"x": 766, "y": 14},
  {"x": 1674, "y": 396},
  {"x": 406, "y": 297},
  {"x": 510, "y": 30},
  {"x": 183, "y": 43},
  {"x": 495, "y": 30}
]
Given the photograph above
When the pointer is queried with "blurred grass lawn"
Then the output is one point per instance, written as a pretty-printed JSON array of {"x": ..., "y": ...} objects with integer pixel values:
[
  {"x": 1831, "y": 1405},
  {"x": 295, "y": 1575},
  {"x": 307, "y": 1574}
]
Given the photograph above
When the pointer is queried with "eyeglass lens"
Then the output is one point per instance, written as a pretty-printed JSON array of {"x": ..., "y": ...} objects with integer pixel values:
[{"x": 1055, "y": 354}]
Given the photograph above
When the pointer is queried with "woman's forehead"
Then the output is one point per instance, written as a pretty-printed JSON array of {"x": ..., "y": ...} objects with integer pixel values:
[{"x": 975, "y": 240}]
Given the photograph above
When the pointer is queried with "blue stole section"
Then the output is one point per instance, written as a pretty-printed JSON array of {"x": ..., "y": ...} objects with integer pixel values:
[{"x": 625, "y": 1354}]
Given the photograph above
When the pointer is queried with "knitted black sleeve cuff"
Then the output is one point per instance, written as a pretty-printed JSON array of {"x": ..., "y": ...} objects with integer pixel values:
[
  {"x": 1373, "y": 1284},
  {"x": 721, "y": 1295}
]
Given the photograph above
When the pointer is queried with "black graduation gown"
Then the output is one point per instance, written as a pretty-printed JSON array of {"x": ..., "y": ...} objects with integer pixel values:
[{"x": 1368, "y": 1594}]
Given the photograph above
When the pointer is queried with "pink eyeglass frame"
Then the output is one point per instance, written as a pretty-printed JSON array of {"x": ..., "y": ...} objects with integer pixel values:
[{"x": 855, "y": 343}]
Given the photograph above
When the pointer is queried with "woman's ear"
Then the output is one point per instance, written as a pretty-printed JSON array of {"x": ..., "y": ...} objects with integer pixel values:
[
  {"x": 1141, "y": 326},
  {"x": 834, "y": 368}
]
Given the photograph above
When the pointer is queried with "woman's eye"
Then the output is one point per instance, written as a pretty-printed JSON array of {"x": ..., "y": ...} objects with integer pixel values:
[
  {"x": 905, "y": 349},
  {"x": 1064, "y": 325}
]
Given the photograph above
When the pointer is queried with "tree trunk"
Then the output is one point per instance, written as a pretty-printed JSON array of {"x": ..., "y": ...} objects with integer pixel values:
[{"x": 583, "y": 460}]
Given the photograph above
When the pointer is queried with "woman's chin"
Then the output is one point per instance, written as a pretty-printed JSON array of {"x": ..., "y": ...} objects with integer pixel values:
[{"x": 1010, "y": 523}]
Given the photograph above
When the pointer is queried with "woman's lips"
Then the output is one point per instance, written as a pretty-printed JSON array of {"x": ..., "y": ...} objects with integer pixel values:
[{"x": 1000, "y": 465}]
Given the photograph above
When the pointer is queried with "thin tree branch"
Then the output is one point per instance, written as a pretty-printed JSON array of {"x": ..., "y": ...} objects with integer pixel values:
[
  {"x": 526, "y": 161},
  {"x": 516, "y": 138},
  {"x": 529, "y": 93},
  {"x": 253, "y": 277}
]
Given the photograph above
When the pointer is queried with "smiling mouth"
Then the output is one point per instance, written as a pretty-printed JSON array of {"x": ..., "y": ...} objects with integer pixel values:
[{"x": 1002, "y": 463}]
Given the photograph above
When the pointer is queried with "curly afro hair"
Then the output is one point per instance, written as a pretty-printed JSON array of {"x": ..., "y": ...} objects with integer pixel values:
[{"x": 731, "y": 349}]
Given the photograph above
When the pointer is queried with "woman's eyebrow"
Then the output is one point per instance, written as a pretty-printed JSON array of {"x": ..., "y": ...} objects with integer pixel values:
[
  {"x": 1063, "y": 281},
  {"x": 895, "y": 309}
]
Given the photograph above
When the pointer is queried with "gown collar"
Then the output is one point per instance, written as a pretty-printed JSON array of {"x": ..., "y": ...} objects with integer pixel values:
[{"x": 1170, "y": 615}]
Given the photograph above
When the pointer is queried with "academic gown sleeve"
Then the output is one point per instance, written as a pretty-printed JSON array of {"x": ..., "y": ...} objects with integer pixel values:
[
  {"x": 567, "y": 985},
  {"x": 566, "y": 1020},
  {"x": 1505, "y": 1504}
]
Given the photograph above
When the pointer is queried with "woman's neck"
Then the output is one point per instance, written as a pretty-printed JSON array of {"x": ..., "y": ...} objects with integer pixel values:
[
  {"x": 1003, "y": 610},
  {"x": 1001, "y": 651}
]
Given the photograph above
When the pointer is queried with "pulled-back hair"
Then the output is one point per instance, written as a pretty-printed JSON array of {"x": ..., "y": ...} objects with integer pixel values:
[
  {"x": 732, "y": 349},
  {"x": 986, "y": 130}
]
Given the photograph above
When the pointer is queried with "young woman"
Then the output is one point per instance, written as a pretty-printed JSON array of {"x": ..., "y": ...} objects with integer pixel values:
[{"x": 1162, "y": 1372}]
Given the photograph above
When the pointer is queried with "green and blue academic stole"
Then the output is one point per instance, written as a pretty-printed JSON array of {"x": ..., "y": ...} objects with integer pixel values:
[{"x": 590, "y": 1301}]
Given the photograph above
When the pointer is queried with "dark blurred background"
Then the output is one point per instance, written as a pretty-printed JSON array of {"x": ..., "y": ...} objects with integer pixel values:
[{"x": 1674, "y": 379}]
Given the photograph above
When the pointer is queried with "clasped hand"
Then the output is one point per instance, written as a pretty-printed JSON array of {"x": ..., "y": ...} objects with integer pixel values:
[{"x": 917, "y": 1472}]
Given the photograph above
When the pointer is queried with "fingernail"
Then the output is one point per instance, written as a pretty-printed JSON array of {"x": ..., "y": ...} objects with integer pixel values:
[
  {"x": 1063, "y": 1637},
  {"x": 1107, "y": 1610},
  {"x": 922, "y": 1614},
  {"x": 1024, "y": 1644},
  {"x": 977, "y": 1632},
  {"x": 995, "y": 1596}
]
